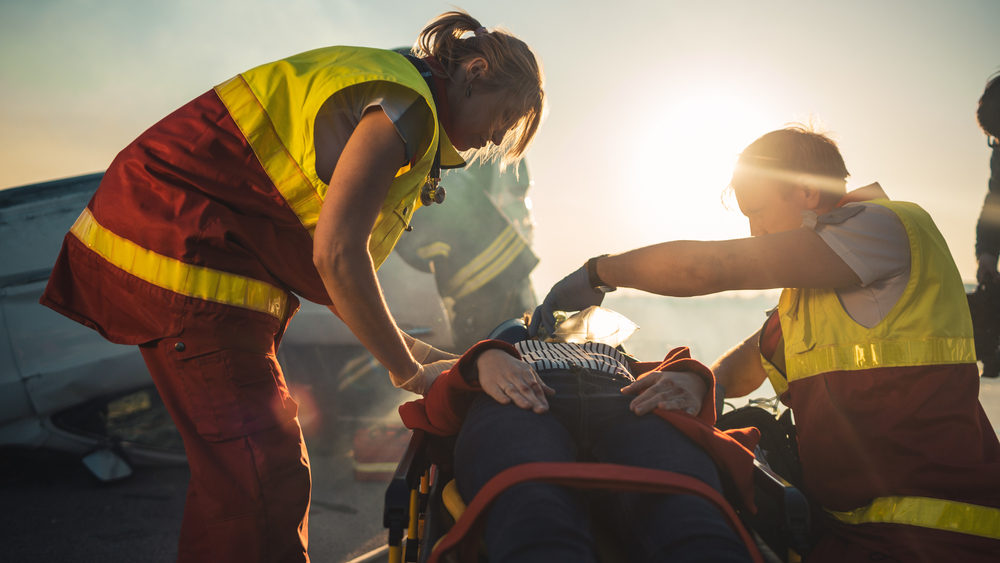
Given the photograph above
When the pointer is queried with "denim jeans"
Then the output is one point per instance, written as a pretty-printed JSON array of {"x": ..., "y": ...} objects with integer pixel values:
[{"x": 588, "y": 420}]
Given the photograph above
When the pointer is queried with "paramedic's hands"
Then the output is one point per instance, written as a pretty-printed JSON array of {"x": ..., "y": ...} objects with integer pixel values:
[
  {"x": 421, "y": 381},
  {"x": 572, "y": 293},
  {"x": 506, "y": 379},
  {"x": 670, "y": 390}
]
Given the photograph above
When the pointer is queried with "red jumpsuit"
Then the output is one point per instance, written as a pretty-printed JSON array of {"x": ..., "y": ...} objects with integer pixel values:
[
  {"x": 191, "y": 248},
  {"x": 213, "y": 364}
]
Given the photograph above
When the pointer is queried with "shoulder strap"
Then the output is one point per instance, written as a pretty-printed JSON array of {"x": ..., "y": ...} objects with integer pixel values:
[{"x": 425, "y": 71}]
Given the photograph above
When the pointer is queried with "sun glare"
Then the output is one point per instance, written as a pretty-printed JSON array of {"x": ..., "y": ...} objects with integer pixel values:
[{"x": 685, "y": 159}]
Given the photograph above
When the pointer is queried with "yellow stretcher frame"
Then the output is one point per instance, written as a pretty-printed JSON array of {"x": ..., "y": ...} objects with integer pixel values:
[{"x": 416, "y": 487}]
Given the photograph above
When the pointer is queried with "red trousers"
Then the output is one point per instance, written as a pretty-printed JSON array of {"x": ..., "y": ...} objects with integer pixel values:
[{"x": 248, "y": 497}]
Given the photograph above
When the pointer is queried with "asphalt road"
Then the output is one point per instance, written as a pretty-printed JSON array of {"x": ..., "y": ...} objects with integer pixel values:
[{"x": 53, "y": 510}]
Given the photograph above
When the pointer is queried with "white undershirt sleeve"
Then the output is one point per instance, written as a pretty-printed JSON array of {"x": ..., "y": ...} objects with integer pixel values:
[
  {"x": 341, "y": 113},
  {"x": 874, "y": 244}
]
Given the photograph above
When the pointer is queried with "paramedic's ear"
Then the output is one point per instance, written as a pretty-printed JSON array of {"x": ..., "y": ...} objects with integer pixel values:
[
  {"x": 812, "y": 196},
  {"x": 476, "y": 67}
]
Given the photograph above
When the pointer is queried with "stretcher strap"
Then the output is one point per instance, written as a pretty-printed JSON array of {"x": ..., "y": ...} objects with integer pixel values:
[{"x": 585, "y": 476}]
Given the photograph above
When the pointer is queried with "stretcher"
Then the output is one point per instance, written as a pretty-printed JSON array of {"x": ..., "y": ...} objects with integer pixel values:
[{"x": 428, "y": 522}]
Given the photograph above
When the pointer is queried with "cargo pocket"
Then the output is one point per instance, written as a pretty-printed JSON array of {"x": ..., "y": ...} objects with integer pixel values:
[{"x": 231, "y": 393}]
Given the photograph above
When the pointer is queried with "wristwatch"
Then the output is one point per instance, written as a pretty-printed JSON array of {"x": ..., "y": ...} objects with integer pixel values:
[{"x": 596, "y": 283}]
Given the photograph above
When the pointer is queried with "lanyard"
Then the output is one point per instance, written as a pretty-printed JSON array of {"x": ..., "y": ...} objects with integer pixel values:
[{"x": 432, "y": 190}]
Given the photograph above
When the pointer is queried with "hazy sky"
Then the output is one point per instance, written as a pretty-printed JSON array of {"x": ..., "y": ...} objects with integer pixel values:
[{"x": 649, "y": 102}]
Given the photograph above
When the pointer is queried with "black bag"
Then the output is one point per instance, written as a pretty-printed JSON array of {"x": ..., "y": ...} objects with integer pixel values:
[
  {"x": 984, "y": 305},
  {"x": 777, "y": 438}
]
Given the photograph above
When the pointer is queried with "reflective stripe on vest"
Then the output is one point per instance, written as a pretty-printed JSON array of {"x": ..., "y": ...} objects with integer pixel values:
[
  {"x": 172, "y": 274},
  {"x": 929, "y": 325},
  {"x": 924, "y": 512},
  {"x": 291, "y": 182},
  {"x": 487, "y": 265},
  {"x": 275, "y": 106}
]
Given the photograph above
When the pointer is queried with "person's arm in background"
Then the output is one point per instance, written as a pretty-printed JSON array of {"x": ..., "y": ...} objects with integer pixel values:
[{"x": 358, "y": 186}]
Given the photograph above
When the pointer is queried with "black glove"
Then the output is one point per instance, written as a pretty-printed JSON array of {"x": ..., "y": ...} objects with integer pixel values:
[{"x": 572, "y": 293}]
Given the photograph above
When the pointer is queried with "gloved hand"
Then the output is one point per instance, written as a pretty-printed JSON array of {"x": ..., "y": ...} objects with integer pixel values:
[
  {"x": 421, "y": 381},
  {"x": 572, "y": 293}
]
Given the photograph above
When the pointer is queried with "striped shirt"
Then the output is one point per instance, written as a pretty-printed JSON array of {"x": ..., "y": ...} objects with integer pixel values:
[{"x": 561, "y": 355}]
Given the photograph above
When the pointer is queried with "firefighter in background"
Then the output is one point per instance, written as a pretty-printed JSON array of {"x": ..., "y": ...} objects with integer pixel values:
[
  {"x": 295, "y": 176},
  {"x": 478, "y": 246}
]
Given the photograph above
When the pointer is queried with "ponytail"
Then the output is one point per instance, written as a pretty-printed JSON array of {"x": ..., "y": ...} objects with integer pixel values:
[{"x": 455, "y": 37}]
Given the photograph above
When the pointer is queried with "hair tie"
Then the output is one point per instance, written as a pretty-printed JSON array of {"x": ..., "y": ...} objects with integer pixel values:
[{"x": 481, "y": 31}]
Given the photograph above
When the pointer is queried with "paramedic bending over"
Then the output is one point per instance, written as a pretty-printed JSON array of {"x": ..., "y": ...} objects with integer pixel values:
[
  {"x": 295, "y": 176},
  {"x": 871, "y": 347}
]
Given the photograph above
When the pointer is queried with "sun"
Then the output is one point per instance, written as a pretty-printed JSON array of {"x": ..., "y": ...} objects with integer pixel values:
[{"x": 684, "y": 160}]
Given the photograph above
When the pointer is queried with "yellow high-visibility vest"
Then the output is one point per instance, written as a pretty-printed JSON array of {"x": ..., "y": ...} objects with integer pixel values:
[
  {"x": 929, "y": 325},
  {"x": 275, "y": 106}
]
